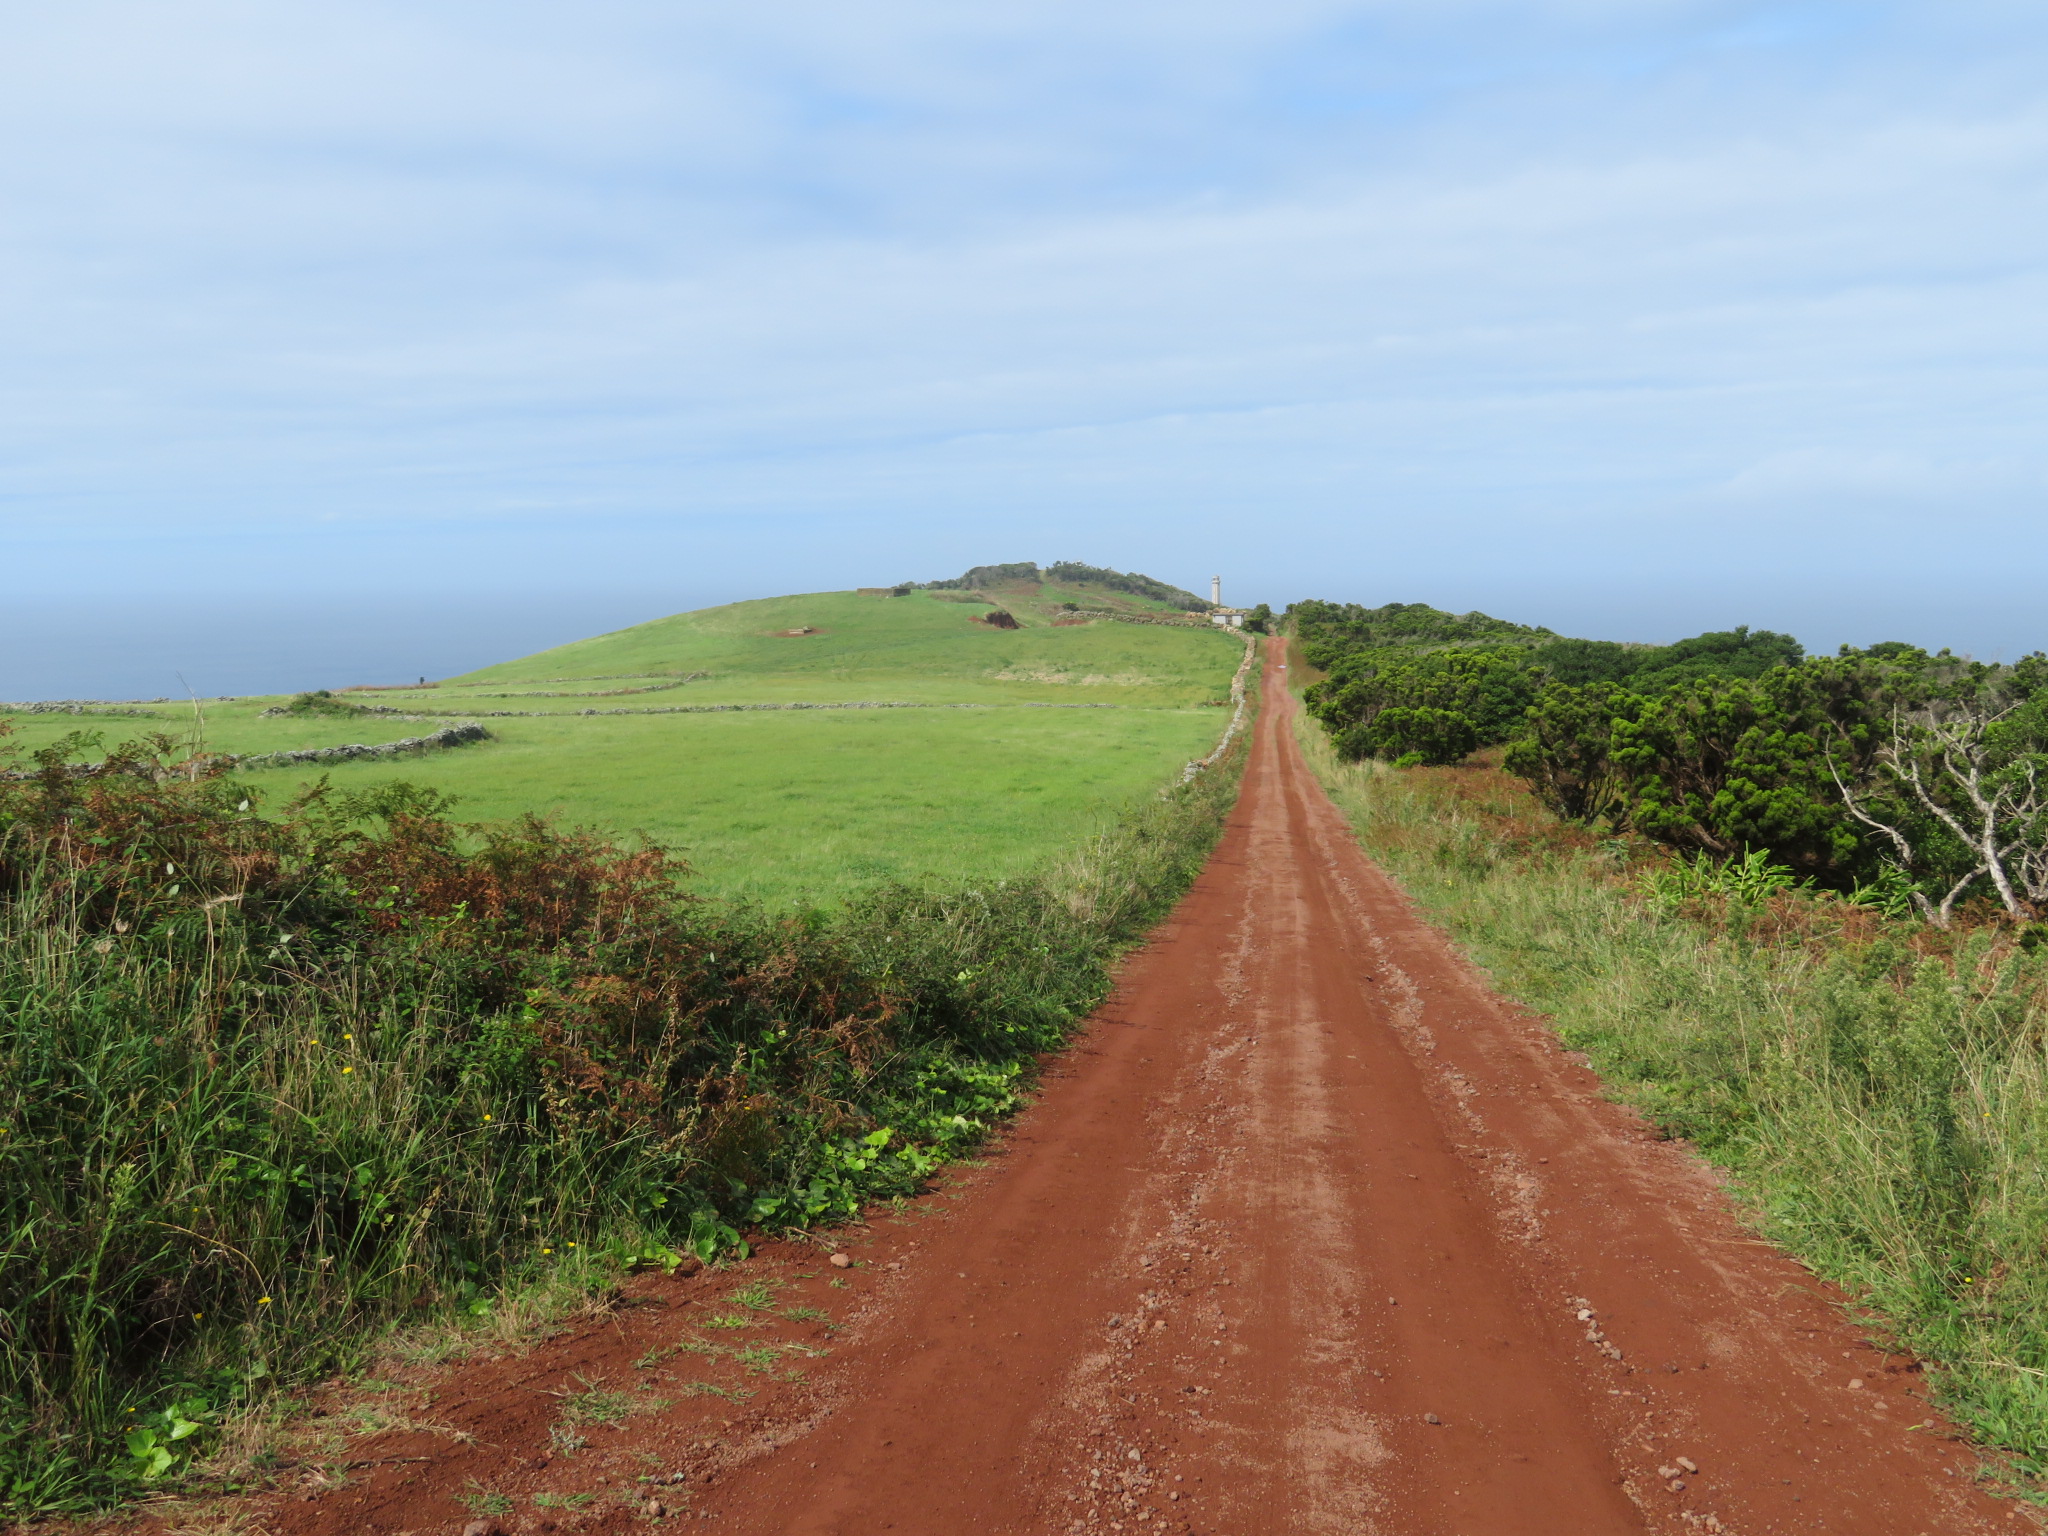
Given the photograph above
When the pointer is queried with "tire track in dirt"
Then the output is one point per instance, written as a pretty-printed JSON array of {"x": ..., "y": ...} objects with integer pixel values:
[{"x": 1310, "y": 1233}]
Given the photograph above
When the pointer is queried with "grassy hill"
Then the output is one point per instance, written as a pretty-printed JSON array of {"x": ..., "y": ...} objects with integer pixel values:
[
  {"x": 920, "y": 647},
  {"x": 992, "y": 772}
]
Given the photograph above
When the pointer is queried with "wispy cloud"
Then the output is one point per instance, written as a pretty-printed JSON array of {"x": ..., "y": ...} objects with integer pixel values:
[{"x": 535, "y": 291}]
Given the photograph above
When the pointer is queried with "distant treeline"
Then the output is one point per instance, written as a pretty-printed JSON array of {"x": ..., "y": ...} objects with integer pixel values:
[
  {"x": 1066, "y": 573},
  {"x": 1912, "y": 777}
]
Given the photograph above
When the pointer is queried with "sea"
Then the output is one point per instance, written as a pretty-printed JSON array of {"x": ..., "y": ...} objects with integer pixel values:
[{"x": 213, "y": 645}]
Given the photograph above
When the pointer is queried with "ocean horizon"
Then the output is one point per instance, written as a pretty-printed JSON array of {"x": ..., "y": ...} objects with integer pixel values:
[{"x": 125, "y": 646}]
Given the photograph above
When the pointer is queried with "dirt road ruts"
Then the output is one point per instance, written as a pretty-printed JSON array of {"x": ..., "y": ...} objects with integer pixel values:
[{"x": 1310, "y": 1233}]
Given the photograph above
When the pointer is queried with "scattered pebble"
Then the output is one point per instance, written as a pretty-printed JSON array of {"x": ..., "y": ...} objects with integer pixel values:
[
  {"x": 654, "y": 1509},
  {"x": 1855, "y": 1383},
  {"x": 1677, "y": 1485},
  {"x": 842, "y": 1261},
  {"x": 1688, "y": 1464},
  {"x": 1430, "y": 1418},
  {"x": 483, "y": 1528}
]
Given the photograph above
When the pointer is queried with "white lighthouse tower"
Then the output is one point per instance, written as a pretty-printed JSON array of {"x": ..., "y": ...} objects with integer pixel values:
[{"x": 1232, "y": 618}]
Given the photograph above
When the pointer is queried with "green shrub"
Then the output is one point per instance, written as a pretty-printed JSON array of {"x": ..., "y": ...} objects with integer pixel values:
[
  {"x": 1441, "y": 704},
  {"x": 321, "y": 702},
  {"x": 1420, "y": 735}
]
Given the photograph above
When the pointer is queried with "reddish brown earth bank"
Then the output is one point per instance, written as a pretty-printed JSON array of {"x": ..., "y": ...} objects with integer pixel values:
[{"x": 1310, "y": 1233}]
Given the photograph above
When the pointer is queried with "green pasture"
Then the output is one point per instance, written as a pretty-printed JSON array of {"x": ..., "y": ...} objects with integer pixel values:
[
  {"x": 923, "y": 646},
  {"x": 793, "y": 807},
  {"x": 799, "y": 807}
]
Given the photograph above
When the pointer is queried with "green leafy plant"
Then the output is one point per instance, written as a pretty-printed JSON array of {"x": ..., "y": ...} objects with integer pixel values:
[
  {"x": 1750, "y": 879},
  {"x": 645, "y": 1253},
  {"x": 165, "y": 1440},
  {"x": 849, "y": 1173}
]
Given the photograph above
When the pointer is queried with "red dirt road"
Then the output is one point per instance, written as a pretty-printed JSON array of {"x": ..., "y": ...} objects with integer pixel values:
[{"x": 1311, "y": 1233}]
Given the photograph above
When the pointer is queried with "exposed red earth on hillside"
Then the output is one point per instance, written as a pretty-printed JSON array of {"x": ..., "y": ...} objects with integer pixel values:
[{"x": 1309, "y": 1233}]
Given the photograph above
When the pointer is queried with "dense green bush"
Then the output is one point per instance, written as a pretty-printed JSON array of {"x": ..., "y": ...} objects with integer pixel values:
[
  {"x": 321, "y": 701},
  {"x": 1330, "y": 631},
  {"x": 1738, "y": 652},
  {"x": 1815, "y": 764},
  {"x": 1071, "y": 573},
  {"x": 1720, "y": 764},
  {"x": 1412, "y": 736},
  {"x": 1390, "y": 703},
  {"x": 272, "y": 1081}
]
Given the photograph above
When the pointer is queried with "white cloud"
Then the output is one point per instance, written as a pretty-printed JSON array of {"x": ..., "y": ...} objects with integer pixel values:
[{"x": 1529, "y": 267}]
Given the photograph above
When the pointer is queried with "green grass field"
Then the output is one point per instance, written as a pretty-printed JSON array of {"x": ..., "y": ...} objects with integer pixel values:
[{"x": 794, "y": 807}]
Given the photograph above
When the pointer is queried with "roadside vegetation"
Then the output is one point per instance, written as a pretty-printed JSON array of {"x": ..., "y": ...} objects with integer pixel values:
[
  {"x": 273, "y": 1081},
  {"x": 1792, "y": 908},
  {"x": 284, "y": 1065}
]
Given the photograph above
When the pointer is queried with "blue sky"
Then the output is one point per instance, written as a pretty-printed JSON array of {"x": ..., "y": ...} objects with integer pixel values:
[{"x": 1632, "y": 318}]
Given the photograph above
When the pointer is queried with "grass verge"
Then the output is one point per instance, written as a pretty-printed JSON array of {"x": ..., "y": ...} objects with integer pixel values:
[{"x": 1878, "y": 1091}]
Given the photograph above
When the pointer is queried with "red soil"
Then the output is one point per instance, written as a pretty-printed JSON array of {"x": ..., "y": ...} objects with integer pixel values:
[{"x": 1310, "y": 1233}]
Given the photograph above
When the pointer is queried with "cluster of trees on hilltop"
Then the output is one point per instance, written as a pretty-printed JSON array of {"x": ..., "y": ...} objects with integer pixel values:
[
  {"x": 1924, "y": 775},
  {"x": 1068, "y": 573}
]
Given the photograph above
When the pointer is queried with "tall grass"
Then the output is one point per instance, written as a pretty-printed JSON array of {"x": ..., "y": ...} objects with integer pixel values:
[
  {"x": 1879, "y": 1091},
  {"x": 268, "y": 1084}
]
